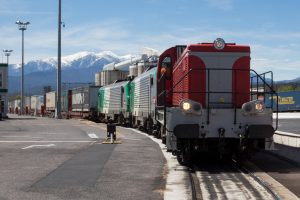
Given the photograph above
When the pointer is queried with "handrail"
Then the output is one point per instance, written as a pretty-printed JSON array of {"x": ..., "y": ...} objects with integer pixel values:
[
  {"x": 270, "y": 87},
  {"x": 219, "y": 69},
  {"x": 258, "y": 77}
]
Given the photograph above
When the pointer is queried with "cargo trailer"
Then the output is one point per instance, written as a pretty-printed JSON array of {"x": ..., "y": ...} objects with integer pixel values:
[
  {"x": 17, "y": 105},
  {"x": 287, "y": 101},
  {"x": 27, "y": 102},
  {"x": 37, "y": 105},
  {"x": 50, "y": 103},
  {"x": 11, "y": 106},
  {"x": 84, "y": 99}
]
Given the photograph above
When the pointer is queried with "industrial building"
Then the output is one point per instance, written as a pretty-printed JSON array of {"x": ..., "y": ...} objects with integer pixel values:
[{"x": 3, "y": 89}]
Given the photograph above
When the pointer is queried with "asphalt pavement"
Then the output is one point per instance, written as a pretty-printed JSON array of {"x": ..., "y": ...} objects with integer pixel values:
[{"x": 43, "y": 158}]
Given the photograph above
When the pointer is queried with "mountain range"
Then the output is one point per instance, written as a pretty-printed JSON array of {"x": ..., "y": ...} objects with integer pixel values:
[{"x": 77, "y": 68}]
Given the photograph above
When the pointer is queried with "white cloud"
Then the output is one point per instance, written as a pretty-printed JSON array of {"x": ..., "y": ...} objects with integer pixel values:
[
  {"x": 282, "y": 60},
  {"x": 277, "y": 51}
]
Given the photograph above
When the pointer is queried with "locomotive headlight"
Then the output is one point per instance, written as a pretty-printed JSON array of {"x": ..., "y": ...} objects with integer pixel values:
[
  {"x": 253, "y": 107},
  {"x": 191, "y": 107},
  {"x": 186, "y": 106},
  {"x": 259, "y": 106},
  {"x": 219, "y": 44}
]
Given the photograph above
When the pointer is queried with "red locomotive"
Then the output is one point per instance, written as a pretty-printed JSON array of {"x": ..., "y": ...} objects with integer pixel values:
[{"x": 207, "y": 100}]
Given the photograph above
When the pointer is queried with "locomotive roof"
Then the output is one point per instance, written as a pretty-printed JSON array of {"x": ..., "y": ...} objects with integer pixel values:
[{"x": 209, "y": 47}]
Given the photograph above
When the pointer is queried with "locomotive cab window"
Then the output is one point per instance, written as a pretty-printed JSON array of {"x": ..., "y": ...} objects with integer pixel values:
[{"x": 166, "y": 67}]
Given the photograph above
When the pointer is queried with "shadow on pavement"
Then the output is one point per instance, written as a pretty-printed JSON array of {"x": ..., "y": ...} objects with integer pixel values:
[{"x": 21, "y": 118}]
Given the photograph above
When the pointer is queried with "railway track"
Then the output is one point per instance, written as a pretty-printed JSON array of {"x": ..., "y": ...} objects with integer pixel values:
[
  {"x": 195, "y": 185},
  {"x": 243, "y": 169},
  {"x": 211, "y": 180}
]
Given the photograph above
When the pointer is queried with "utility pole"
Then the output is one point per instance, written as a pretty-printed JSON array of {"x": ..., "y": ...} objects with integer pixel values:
[{"x": 58, "y": 100}]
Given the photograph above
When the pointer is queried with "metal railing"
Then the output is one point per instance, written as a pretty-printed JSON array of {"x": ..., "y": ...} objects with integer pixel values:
[{"x": 265, "y": 90}]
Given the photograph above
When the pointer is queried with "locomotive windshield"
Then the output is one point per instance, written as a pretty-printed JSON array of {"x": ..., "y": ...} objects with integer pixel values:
[{"x": 166, "y": 67}]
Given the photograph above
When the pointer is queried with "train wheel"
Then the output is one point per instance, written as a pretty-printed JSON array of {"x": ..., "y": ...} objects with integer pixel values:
[
  {"x": 150, "y": 126},
  {"x": 162, "y": 134},
  {"x": 164, "y": 140},
  {"x": 184, "y": 157},
  {"x": 145, "y": 125},
  {"x": 240, "y": 156}
]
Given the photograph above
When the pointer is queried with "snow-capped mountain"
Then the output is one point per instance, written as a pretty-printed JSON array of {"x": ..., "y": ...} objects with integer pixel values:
[
  {"x": 79, "y": 67},
  {"x": 79, "y": 60}
]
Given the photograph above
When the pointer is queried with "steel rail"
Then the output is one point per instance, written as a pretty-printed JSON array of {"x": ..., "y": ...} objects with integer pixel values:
[
  {"x": 257, "y": 179},
  {"x": 196, "y": 193}
]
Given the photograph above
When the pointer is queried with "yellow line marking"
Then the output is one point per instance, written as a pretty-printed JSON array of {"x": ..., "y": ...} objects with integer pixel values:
[{"x": 107, "y": 141}]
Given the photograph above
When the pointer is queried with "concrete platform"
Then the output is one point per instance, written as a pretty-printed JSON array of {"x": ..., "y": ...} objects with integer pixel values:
[
  {"x": 289, "y": 122},
  {"x": 288, "y": 132},
  {"x": 287, "y": 137}
]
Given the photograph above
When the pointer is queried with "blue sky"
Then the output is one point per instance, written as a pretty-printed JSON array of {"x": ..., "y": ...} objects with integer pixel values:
[{"x": 270, "y": 27}]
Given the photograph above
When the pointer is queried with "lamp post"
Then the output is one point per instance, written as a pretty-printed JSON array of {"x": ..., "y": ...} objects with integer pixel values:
[
  {"x": 7, "y": 53},
  {"x": 58, "y": 90},
  {"x": 22, "y": 27}
]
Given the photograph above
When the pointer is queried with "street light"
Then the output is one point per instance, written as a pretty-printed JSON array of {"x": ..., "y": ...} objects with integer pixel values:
[
  {"x": 7, "y": 53},
  {"x": 22, "y": 26}
]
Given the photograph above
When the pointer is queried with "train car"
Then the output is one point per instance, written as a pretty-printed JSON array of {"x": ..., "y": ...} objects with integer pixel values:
[
  {"x": 50, "y": 103},
  {"x": 114, "y": 102},
  {"x": 37, "y": 107},
  {"x": 85, "y": 100},
  {"x": 204, "y": 101},
  {"x": 287, "y": 101},
  {"x": 143, "y": 99}
]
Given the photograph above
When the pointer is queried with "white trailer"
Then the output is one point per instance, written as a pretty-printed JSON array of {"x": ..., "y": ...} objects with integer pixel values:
[
  {"x": 50, "y": 101},
  {"x": 36, "y": 104}
]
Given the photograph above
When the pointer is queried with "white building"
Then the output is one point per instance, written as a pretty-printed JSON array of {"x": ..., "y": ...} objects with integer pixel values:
[{"x": 3, "y": 89}]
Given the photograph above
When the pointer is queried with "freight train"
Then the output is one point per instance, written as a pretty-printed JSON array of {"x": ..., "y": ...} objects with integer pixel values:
[
  {"x": 196, "y": 98},
  {"x": 199, "y": 98}
]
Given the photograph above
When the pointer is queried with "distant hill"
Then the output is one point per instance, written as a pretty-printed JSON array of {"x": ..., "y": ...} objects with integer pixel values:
[
  {"x": 296, "y": 80},
  {"x": 79, "y": 67}
]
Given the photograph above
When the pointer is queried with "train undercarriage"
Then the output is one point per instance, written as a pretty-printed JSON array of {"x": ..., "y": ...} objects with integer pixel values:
[
  {"x": 221, "y": 148},
  {"x": 224, "y": 133}
]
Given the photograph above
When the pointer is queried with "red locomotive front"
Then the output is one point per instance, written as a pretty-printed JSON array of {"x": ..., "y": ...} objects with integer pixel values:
[{"x": 204, "y": 95}]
